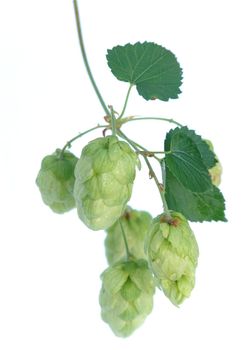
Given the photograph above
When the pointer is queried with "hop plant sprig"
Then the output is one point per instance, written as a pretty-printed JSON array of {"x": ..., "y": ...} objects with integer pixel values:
[{"x": 142, "y": 252}]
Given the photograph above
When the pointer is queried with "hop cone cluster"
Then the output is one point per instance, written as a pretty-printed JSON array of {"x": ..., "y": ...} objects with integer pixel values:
[
  {"x": 216, "y": 171},
  {"x": 172, "y": 255},
  {"x": 104, "y": 179},
  {"x": 126, "y": 297},
  {"x": 56, "y": 181},
  {"x": 135, "y": 224}
]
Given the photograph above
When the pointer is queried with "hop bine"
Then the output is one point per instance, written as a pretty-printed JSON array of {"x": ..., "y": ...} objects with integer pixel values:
[{"x": 141, "y": 252}]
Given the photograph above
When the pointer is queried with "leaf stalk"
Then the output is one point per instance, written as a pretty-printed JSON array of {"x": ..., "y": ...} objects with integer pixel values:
[{"x": 126, "y": 101}]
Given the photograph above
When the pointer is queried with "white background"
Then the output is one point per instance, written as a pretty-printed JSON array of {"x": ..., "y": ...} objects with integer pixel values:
[{"x": 50, "y": 264}]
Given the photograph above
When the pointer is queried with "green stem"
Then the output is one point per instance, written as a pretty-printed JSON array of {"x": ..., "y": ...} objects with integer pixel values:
[
  {"x": 154, "y": 152},
  {"x": 113, "y": 120},
  {"x": 68, "y": 143},
  {"x": 152, "y": 174},
  {"x": 126, "y": 101},
  {"x": 80, "y": 36},
  {"x": 154, "y": 118},
  {"x": 139, "y": 146},
  {"x": 125, "y": 240},
  {"x": 160, "y": 188},
  {"x": 163, "y": 170}
]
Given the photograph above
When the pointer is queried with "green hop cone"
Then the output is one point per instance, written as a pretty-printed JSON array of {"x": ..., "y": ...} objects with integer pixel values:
[
  {"x": 126, "y": 296},
  {"x": 216, "y": 171},
  {"x": 104, "y": 175},
  {"x": 135, "y": 224},
  {"x": 56, "y": 181},
  {"x": 172, "y": 256}
]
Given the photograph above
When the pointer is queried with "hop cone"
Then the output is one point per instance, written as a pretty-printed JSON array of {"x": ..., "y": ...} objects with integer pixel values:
[
  {"x": 216, "y": 171},
  {"x": 104, "y": 180},
  {"x": 135, "y": 224},
  {"x": 126, "y": 297},
  {"x": 172, "y": 255},
  {"x": 56, "y": 181}
]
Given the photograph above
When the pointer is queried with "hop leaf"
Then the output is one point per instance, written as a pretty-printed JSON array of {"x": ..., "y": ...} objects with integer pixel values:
[
  {"x": 126, "y": 296},
  {"x": 172, "y": 255},
  {"x": 184, "y": 185},
  {"x": 184, "y": 160},
  {"x": 56, "y": 181},
  {"x": 152, "y": 68},
  {"x": 135, "y": 224},
  {"x": 200, "y": 207},
  {"x": 104, "y": 175}
]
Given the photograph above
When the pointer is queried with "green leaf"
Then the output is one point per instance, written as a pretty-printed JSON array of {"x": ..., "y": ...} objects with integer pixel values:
[
  {"x": 200, "y": 207},
  {"x": 185, "y": 161},
  {"x": 207, "y": 154},
  {"x": 152, "y": 68}
]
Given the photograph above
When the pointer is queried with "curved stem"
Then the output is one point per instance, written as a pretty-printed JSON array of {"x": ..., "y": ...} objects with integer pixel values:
[
  {"x": 126, "y": 101},
  {"x": 80, "y": 36},
  {"x": 68, "y": 143},
  {"x": 125, "y": 240},
  {"x": 154, "y": 118},
  {"x": 152, "y": 175}
]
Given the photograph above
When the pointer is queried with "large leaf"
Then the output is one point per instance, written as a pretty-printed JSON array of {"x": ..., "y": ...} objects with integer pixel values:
[
  {"x": 152, "y": 68},
  {"x": 200, "y": 207},
  {"x": 185, "y": 161}
]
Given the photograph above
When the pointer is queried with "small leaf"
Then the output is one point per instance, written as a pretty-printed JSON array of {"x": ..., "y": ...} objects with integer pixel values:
[
  {"x": 200, "y": 207},
  {"x": 152, "y": 68},
  {"x": 185, "y": 162}
]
